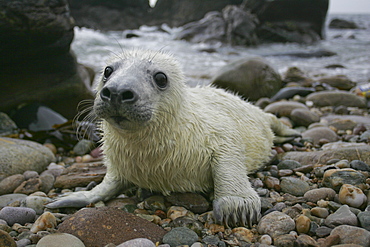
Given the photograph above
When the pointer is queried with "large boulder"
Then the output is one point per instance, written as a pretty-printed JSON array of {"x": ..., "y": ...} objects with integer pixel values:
[
  {"x": 300, "y": 21},
  {"x": 252, "y": 78},
  {"x": 35, "y": 39}
]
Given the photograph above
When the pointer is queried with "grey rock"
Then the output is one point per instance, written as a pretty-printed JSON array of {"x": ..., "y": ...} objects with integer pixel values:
[
  {"x": 288, "y": 164},
  {"x": 303, "y": 117},
  {"x": 364, "y": 219},
  {"x": 23, "y": 242},
  {"x": 180, "y": 236},
  {"x": 343, "y": 216},
  {"x": 359, "y": 165},
  {"x": 18, "y": 156},
  {"x": 47, "y": 182},
  {"x": 192, "y": 201},
  {"x": 319, "y": 133},
  {"x": 341, "y": 82},
  {"x": 284, "y": 108},
  {"x": 365, "y": 120},
  {"x": 9, "y": 184},
  {"x": 294, "y": 186},
  {"x": 336, "y": 98},
  {"x": 323, "y": 231},
  {"x": 83, "y": 147},
  {"x": 54, "y": 240},
  {"x": 5, "y": 200},
  {"x": 315, "y": 195},
  {"x": 275, "y": 223},
  {"x": 19, "y": 215},
  {"x": 30, "y": 174},
  {"x": 142, "y": 242},
  {"x": 252, "y": 78},
  {"x": 352, "y": 235},
  {"x": 36, "y": 203},
  {"x": 7, "y": 125},
  {"x": 350, "y": 151}
]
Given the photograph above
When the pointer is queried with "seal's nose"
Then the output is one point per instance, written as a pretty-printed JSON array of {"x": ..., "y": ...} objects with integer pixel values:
[{"x": 113, "y": 95}]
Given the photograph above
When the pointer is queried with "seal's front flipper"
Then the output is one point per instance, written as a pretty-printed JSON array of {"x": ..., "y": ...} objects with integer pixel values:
[{"x": 107, "y": 189}]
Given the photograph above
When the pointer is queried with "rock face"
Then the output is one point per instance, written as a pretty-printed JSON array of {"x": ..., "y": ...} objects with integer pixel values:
[
  {"x": 258, "y": 21},
  {"x": 35, "y": 38},
  {"x": 251, "y": 78}
]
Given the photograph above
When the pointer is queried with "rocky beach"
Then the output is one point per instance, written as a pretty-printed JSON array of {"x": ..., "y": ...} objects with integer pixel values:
[{"x": 314, "y": 192}]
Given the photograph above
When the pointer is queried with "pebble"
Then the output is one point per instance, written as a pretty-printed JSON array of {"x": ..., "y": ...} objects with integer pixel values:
[
  {"x": 320, "y": 212},
  {"x": 23, "y": 242},
  {"x": 303, "y": 117},
  {"x": 316, "y": 195},
  {"x": 302, "y": 224},
  {"x": 55, "y": 240},
  {"x": 294, "y": 186},
  {"x": 343, "y": 216},
  {"x": 352, "y": 196},
  {"x": 6, "y": 200},
  {"x": 352, "y": 235},
  {"x": 266, "y": 239},
  {"x": 30, "y": 186},
  {"x": 142, "y": 242},
  {"x": 175, "y": 212},
  {"x": 336, "y": 178},
  {"x": 6, "y": 240},
  {"x": 37, "y": 203},
  {"x": 19, "y": 215},
  {"x": 243, "y": 234},
  {"x": 288, "y": 164},
  {"x": 285, "y": 240},
  {"x": 336, "y": 98},
  {"x": 83, "y": 147},
  {"x": 188, "y": 222},
  {"x": 284, "y": 108},
  {"x": 180, "y": 236},
  {"x": 319, "y": 133},
  {"x": 359, "y": 165},
  {"x": 9, "y": 184},
  {"x": 275, "y": 223},
  {"x": 45, "y": 221},
  {"x": 364, "y": 219},
  {"x": 305, "y": 240}
]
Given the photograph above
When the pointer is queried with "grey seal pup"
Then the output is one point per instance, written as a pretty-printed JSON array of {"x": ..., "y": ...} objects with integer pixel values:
[{"x": 162, "y": 135}]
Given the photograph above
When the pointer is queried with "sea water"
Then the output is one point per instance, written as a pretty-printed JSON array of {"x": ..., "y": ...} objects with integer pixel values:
[{"x": 94, "y": 47}]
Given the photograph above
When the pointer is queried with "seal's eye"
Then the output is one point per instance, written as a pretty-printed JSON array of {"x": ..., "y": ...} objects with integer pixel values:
[
  {"x": 161, "y": 80},
  {"x": 108, "y": 71}
]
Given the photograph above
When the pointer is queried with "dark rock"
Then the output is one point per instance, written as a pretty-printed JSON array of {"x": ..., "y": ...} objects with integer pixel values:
[
  {"x": 180, "y": 236},
  {"x": 342, "y": 24},
  {"x": 323, "y": 231},
  {"x": 18, "y": 156},
  {"x": 252, "y": 78},
  {"x": 7, "y": 125},
  {"x": 359, "y": 165},
  {"x": 100, "y": 226},
  {"x": 317, "y": 53},
  {"x": 294, "y": 186},
  {"x": 336, "y": 178},
  {"x": 303, "y": 117},
  {"x": 294, "y": 74},
  {"x": 192, "y": 201},
  {"x": 336, "y": 98},
  {"x": 80, "y": 175},
  {"x": 288, "y": 164},
  {"x": 35, "y": 38},
  {"x": 364, "y": 219},
  {"x": 289, "y": 21},
  {"x": 188, "y": 222},
  {"x": 289, "y": 92}
]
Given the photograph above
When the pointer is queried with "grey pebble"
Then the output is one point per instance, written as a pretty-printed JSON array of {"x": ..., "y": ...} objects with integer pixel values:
[
  {"x": 343, "y": 216},
  {"x": 30, "y": 174},
  {"x": 359, "y": 165},
  {"x": 19, "y": 215},
  {"x": 137, "y": 242},
  {"x": 9, "y": 184},
  {"x": 5, "y": 200},
  {"x": 364, "y": 219},
  {"x": 294, "y": 186},
  {"x": 56, "y": 239},
  {"x": 180, "y": 236},
  {"x": 37, "y": 203},
  {"x": 288, "y": 164},
  {"x": 316, "y": 195},
  {"x": 23, "y": 242}
]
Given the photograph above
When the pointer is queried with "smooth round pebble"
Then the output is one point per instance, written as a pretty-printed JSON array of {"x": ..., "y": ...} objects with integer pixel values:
[
  {"x": 9, "y": 184},
  {"x": 142, "y": 242},
  {"x": 5, "y": 200},
  {"x": 320, "y": 212},
  {"x": 30, "y": 174},
  {"x": 45, "y": 221},
  {"x": 352, "y": 235},
  {"x": 275, "y": 223},
  {"x": 23, "y": 242},
  {"x": 266, "y": 239},
  {"x": 316, "y": 195},
  {"x": 343, "y": 216},
  {"x": 294, "y": 186},
  {"x": 56, "y": 239},
  {"x": 359, "y": 165},
  {"x": 19, "y": 215},
  {"x": 302, "y": 224},
  {"x": 37, "y": 203},
  {"x": 288, "y": 164},
  {"x": 180, "y": 236}
]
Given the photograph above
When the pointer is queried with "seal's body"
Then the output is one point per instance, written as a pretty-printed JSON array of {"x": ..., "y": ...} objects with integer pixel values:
[{"x": 161, "y": 135}]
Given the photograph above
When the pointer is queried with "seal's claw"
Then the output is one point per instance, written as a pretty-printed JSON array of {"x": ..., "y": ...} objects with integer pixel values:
[
  {"x": 236, "y": 211},
  {"x": 73, "y": 200}
]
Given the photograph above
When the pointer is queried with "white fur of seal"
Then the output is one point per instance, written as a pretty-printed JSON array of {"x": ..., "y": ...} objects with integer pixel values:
[{"x": 196, "y": 139}]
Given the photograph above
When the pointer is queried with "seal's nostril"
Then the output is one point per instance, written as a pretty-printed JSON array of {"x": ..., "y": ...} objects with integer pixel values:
[
  {"x": 128, "y": 96},
  {"x": 105, "y": 94}
]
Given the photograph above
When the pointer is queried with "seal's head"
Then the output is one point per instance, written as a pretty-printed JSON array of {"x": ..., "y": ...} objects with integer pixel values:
[{"x": 136, "y": 87}]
